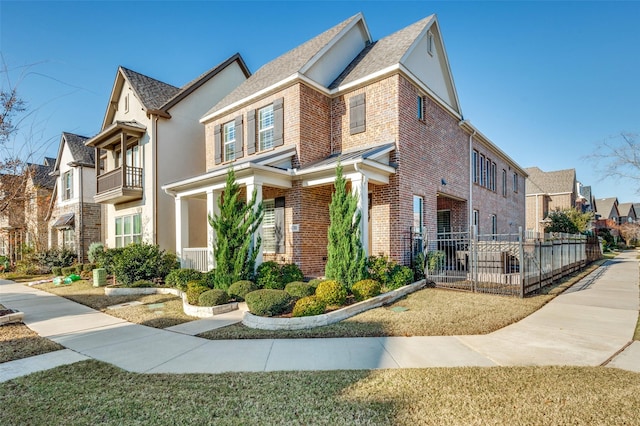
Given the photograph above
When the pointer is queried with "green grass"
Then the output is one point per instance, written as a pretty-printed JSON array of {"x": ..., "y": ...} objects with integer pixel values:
[
  {"x": 18, "y": 341},
  {"x": 91, "y": 392},
  {"x": 431, "y": 312}
]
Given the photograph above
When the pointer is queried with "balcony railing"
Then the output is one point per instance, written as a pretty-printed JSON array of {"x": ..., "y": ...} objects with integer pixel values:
[{"x": 113, "y": 179}]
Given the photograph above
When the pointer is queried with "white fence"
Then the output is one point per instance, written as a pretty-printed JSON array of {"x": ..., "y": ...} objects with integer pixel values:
[{"x": 195, "y": 258}]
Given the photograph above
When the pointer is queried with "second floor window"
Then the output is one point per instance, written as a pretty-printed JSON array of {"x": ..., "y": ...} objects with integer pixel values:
[
  {"x": 265, "y": 128},
  {"x": 67, "y": 185},
  {"x": 229, "y": 141}
]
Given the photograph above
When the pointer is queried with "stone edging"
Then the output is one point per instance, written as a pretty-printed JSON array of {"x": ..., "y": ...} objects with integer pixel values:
[
  {"x": 194, "y": 311},
  {"x": 300, "y": 323},
  {"x": 15, "y": 316}
]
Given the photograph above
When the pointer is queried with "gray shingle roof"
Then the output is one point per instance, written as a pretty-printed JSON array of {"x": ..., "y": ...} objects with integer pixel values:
[
  {"x": 79, "y": 151},
  {"x": 151, "y": 92},
  {"x": 559, "y": 181},
  {"x": 343, "y": 157},
  {"x": 382, "y": 53},
  {"x": 281, "y": 67},
  {"x": 41, "y": 175},
  {"x": 605, "y": 206},
  {"x": 625, "y": 209}
]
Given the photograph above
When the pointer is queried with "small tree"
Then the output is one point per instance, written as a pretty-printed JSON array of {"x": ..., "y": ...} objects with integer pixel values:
[
  {"x": 235, "y": 227},
  {"x": 561, "y": 222},
  {"x": 346, "y": 261}
]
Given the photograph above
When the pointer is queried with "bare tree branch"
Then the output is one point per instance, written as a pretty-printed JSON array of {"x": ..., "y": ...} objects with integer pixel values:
[{"x": 618, "y": 157}]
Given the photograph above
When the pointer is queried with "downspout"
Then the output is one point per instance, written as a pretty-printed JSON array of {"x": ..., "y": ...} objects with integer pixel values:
[
  {"x": 156, "y": 193},
  {"x": 81, "y": 214},
  {"x": 471, "y": 135}
]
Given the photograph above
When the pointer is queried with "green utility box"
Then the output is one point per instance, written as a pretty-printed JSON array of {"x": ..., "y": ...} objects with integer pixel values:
[{"x": 99, "y": 277}]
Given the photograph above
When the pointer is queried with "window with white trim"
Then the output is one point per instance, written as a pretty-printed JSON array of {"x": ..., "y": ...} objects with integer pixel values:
[
  {"x": 420, "y": 108},
  {"x": 476, "y": 220},
  {"x": 418, "y": 217},
  {"x": 430, "y": 43},
  {"x": 69, "y": 239},
  {"x": 265, "y": 128},
  {"x": 128, "y": 230},
  {"x": 229, "y": 141},
  {"x": 269, "y": 226},
  {"x": 474, "y": 165},
  {"x": 67, "y": 185}
]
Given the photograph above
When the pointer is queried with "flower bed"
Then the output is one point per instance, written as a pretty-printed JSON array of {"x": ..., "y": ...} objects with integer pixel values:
[
  {"x": 194, "y": 311},
  {"x": 299, "y": 323}
]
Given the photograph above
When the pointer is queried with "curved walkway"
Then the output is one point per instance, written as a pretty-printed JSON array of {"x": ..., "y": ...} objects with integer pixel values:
[{"x": 588, "y": 325}]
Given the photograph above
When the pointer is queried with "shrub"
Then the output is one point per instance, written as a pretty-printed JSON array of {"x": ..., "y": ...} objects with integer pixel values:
[
  {"x": 47, "y": 259},
  {"x": 419, "y": 262},
  {"x": 79, "y": 268},
  {"x": 314, "y": 282},
  {"x": 96, "y": 251},
  {"x": 298, "y": 289},
  {"x": 142, "y": 262},
  {"x": 142, "y": 283},
  {"x": 179, "y": 278},
  {"x": 400, "y": 276},
  {"x": 291, "y": 272},
  {"x": 268, "y": 275},
  {"x": 268, "y": 302},
  {"x": 332, "y": 293},
  {"x": 366, "y": 289},
  {"x": 213, "y": 297},
  {"x": 379, "y": 268},
  {"x": 57, "y": 271},
  {"x": 308, "y": 306},
  {"x": 209, "y": 279},
  {"x": 194, "y": 290},
  {"x": 68, "y": 270},
  {"x": 88, "y": 267},
  {"x": 26, "y": 267},
  {"x": 107, "y": 261},
  {"x": 240, "y": 289},
  {"x": 435, "y": 260}
]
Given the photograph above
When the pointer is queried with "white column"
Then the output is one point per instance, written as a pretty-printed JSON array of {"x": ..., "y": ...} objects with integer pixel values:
[
  {"x": 212, "y": 209},
  {"x": 360, "y": 188},
  {"x": 182, "y": 225},
  {"x": 251, "y": 185}
]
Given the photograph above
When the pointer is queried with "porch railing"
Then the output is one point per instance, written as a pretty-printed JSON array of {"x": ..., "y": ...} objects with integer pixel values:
[
  {"x": 113, "y": 179},
  {"x": 195, "y": 258}
]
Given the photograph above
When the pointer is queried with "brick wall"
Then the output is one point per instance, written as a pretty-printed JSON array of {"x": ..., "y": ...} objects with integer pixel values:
[{"x": 91, "y": 227}]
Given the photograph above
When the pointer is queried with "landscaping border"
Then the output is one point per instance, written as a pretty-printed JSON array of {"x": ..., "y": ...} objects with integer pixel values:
[
  {"x": 14, "y": 316},
  {"x": 191, "y": 310},
  {"x": 300, "y": 323}
]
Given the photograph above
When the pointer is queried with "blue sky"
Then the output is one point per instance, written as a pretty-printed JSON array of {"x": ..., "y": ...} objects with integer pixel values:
[{"x": 545, "y": 81}]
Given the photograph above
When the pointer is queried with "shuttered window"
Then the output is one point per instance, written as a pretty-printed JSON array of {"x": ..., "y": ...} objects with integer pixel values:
[
  {"x": 273, "y": 226},
  {"x": 265, "y": 127},
  {"x": 229, "y": 141},
  {"x": 357, "y": 114}
]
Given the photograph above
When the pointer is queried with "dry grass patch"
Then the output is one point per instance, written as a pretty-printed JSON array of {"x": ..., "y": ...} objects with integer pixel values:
[
  {"x": 21, "y": 278},
  {"x": 429, "y": 312},
  {"x": 91, "y": 392},
  {"x": 150, "y": 313},
  {"x": 18, "y": 341}
]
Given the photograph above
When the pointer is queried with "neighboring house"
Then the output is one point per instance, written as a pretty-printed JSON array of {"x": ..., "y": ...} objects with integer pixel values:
[
  {"x": 628, "y": 213},
  {"x": 74, "y": 218},
  {"x": 151, "y": 135},
  {"x": 12, "y": 224},
  {"x": 548, "y": 191},
  {"x": 38, "y": 190},
  {"x": 607, "y": 214},
  {"x": 388, "y": 112}
]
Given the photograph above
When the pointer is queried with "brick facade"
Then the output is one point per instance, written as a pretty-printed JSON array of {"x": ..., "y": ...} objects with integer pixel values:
[{"x": 91, "y": 227}]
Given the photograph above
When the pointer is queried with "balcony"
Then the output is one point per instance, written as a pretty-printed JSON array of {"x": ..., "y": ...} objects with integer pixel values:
[{"x": 112, "y": 190}]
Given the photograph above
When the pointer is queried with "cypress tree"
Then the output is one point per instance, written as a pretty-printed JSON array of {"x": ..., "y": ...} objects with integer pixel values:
[
  {"x": 346, "y": 262},
  {"x": 235, "y": 227}
]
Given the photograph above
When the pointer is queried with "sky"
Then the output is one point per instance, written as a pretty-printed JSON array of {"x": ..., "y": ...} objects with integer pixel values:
[{"x": 546, "y": 81}]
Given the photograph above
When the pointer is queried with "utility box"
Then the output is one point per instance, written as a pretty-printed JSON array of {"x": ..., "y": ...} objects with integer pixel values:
[{"x": 99, "y": 277}]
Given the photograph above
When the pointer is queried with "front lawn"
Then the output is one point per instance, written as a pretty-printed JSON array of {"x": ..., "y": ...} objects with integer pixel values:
[
  {"x": 18, "y": 341},
  {"x": 91, "y": 392}
]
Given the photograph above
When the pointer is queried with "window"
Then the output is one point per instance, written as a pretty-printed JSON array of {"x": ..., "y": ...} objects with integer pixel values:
[
  {"x": 474, "y": 165},
  {"x": 515, "y": 182},
  {"x": 128, "y": 230},
  {"x": 133, "y": 157},
  {"x": 273, "y": 226},
  {"x": 487, "y": 182},
  {"x": 430, "y": 43},
  {"x": 357, "y": 114},
  {"x": 67, "y": 185},
  {"x": 493, "y": 177},
  {"x": 69, "y": 239},
  {"x": 504, "y": 183},
  {"x": 420, "y": 108},
  {"x": 494, "y": 224},
  {"x": 476, "y": 220},
  {"x": 417, "y": 223},
  {"x": 229, "y": 141},
  {"x": 126, "y": 103},
  {"x": 265, "y": 128},
  {"x": 483, "y": 176}
]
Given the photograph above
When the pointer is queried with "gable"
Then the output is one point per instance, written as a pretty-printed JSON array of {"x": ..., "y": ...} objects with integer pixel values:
[{"x": 427, "y": 61}]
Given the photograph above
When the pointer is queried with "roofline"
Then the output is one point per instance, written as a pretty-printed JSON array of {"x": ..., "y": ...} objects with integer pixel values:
[{"x": 466, "y": 124}]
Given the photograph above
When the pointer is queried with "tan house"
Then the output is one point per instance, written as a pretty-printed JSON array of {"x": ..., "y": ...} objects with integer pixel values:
[
  {"x": 549, "y": 191},
  {"x": 388, "y": 112},
  {"x": 150, "y": 135},
  {"x": 74, "y": 218}
]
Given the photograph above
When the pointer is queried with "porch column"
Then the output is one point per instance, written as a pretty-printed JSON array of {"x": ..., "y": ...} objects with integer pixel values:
[
  {"x": 360, "y": 188},
  {"x": 212, "y": 209},
  {"x": 182, "y": 226},
  {"x": 123, "y": 158},
  {"x": 251, "y": 185}
]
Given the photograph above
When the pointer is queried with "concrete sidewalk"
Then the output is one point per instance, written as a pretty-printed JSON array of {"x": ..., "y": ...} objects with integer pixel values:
[{"x": 585, "y": 326}]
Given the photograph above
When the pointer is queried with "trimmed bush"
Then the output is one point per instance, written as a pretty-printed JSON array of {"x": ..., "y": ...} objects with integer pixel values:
[
  {"x": 400, "y": 276},
  {"x": 68, "y": 270},
  {"x": 88, "y": 267},
  {"x": 298, "y": 289},
  {"x": 107, "y": 258},
  {"x": 142, "y": 262},
  {"x": 96, "y": 250},
  {"x": 142, "y": 283},
  {"x": 268, "y": 302},
  {"x": 213, "y": 297},
  {"x": 240, "y": 289},
  {"x": 291, "y": 272},
  {"x": 268, "y": 275},
  {"x": 194, "y": 290},
  {"x": 79, "y": 268},
  {"x": 308, "y": 306},
  {"x": 179, "y": 278},
  {"x": 47, "y": 259},
  {"x": 314, "y": 282},
  {"x": 366, "y": 289},
  {"x": 332, "y": 293},
  {"x": 57, "y": 271},
  {"x": 209, "y": 279}
]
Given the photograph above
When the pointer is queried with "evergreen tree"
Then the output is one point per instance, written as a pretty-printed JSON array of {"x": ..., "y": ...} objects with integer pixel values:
[
  {"x": 346, "y": 262},
  {"x": 235, "y": 227}
]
